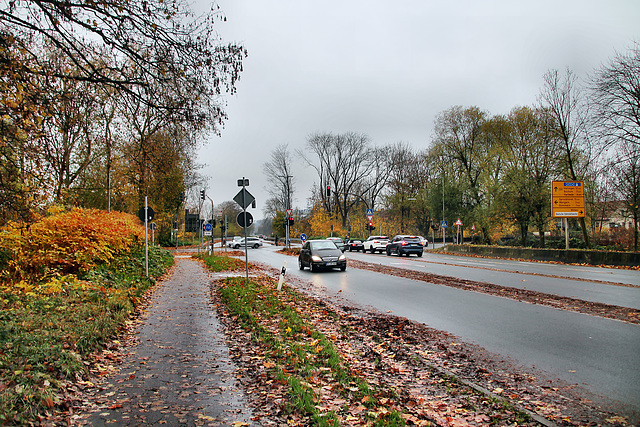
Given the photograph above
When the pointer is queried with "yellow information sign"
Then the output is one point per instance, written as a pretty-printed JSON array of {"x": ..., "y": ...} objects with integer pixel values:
[{"x": 567, "y": 199}]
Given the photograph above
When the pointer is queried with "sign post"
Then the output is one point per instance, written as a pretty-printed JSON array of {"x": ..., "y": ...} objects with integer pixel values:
[
  {"x": 567, "y": 201},
  {"x": 244, "y": 199},
  {"x": 458, "y": 223}
]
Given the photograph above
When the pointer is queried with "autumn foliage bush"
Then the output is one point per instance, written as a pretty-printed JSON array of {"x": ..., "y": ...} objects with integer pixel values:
[{"x": 66, "y": 243}]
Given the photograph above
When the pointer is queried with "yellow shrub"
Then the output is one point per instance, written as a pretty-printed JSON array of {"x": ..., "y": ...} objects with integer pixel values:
[{"x": 66, "y": 242}]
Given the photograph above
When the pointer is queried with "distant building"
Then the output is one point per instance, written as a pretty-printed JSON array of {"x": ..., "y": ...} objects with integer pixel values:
[{"x": 612, "y": 215}]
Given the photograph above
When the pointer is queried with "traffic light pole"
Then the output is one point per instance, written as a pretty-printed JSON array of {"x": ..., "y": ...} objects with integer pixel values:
[{"x": 212, "y": 223}]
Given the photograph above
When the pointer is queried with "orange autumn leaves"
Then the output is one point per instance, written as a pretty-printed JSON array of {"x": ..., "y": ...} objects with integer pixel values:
[{"x": 64, "y": 243}]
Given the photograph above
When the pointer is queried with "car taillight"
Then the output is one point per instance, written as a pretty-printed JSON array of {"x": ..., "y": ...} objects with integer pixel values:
[{"x": 403, "y": 243}]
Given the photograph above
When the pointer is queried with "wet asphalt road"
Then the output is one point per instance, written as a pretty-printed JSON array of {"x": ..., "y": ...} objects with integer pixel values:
[{"x": 601, "y": 355}]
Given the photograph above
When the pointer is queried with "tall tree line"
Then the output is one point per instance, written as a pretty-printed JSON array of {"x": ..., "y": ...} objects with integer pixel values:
[{"x": 495, "y": 171}]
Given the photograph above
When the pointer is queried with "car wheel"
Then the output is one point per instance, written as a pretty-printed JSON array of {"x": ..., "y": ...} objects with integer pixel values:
[
  {"x": 388, "y": 252},
  {"x": 350, "y": 249},
  {"x": 373, "y": 251},
  {"x": 256, "y": 246},
  {"x": 343, "y": 268},
  {"x": 313, "y": 267},
  {"x": 300, "y": 264},
  {"x": 419, "y": 254}
]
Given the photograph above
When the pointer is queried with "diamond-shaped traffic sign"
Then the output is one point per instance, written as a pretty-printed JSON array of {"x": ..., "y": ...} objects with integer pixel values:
[{"x": 244, "y": 198}]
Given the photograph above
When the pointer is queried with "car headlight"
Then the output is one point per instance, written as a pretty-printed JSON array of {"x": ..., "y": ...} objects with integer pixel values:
[
  {"x": 342, "y": 257},
  {"x": 316, "y": 258}
]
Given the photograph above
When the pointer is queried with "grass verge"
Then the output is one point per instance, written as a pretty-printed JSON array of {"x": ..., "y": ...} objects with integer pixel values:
[
  {"x": 303, "y": 360},
  {"x": 48, "y": 330}
]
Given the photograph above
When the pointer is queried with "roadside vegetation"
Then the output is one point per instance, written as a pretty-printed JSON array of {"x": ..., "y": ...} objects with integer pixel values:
[{"x": 68, "y": 283}]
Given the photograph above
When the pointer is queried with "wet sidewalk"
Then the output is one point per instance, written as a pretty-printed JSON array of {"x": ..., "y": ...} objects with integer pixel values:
[{"x": 180, "y": 372}]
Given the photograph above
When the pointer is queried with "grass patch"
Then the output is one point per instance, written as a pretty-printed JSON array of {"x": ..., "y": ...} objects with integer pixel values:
[
  {"x": 48, "y": 329},
  {"x": 300, "y": 357},
  {"x": 221, "y": 262}
]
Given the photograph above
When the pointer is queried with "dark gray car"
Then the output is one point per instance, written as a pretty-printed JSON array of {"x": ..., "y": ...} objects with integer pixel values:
[
  {"x": 317, "y": 254},
  {"x": 405, "y": 245}
]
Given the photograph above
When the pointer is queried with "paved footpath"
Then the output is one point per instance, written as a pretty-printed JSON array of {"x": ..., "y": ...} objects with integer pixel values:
[{"x": 180, "y": 372}]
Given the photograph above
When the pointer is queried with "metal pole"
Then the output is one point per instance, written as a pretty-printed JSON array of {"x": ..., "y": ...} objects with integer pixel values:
[
  {"x": 443, "y": 228},
  {"x": 244, "y": 213},
  {"x": 146, "y": 236},
  {"x": 211, "y": 223},
  {"x": 566, "y": 232}
]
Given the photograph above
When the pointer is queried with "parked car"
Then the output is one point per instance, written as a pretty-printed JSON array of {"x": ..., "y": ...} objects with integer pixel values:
[
  {"x": 375, "y": 244},
  {"x": 355, "y": 245},
  {"x": 405, "y": 245},
  {"x": 339, "y": 242},
  {"x": 252, "y": 242},
  {"x": 317, "y": 254},
  {"x": 424, "y": 242}
]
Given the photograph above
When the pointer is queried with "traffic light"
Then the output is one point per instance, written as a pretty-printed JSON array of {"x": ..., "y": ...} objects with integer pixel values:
[
  {"x": 370, "y": 226},
  {"x": 213, "y": 223},
  {"x": 290, "y": 221},
  {"x": 328, "y": 191},
  {"x": 202, "y": 194}
]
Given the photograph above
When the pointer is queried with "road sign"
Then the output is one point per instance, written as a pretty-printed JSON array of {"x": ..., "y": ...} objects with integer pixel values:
[
  {"x": 208, "y": 227},
  {"x": 473, "y": 227},
  {"x": 244, "y": 219},
  {"x": 207, "y": 233},
  {"x": 303, "y": 237},
  {"x": 150, "y": 214},
  {"x": 289, "y": 213},
  {"x": 369, "y": 212},
  {"x": 244, "y": 198},
  {"x": 458, "y": 222},
  {"x": 444, "y": 224},
  {"x": 567, "y": 199},
  {"x": 369, "y": 217}
]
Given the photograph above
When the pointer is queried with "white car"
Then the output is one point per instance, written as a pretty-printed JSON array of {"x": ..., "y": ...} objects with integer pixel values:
[
  {"x": 232, "y": 243},
  {"x": 252, "y": 242},
  {"x": 424, "y": 242},
  {"x": 375, "y": 244}
]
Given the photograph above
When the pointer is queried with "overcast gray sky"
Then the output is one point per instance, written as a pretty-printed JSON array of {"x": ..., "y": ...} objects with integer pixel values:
[{"x": 387, "y": 68}]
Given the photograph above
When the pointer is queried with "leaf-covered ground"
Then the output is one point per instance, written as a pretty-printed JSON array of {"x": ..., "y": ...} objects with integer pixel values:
[{"x": 425, "y": 376}]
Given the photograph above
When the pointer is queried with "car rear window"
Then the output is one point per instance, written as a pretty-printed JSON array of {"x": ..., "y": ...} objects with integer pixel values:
[
  {"x": 411, "y": 239},
  {"x": 326, "y": 244}
]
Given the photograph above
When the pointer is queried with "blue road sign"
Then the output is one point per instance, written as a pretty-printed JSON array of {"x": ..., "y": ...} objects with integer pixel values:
[
  {"x": 369, "y": 211},
  {"x": 303, "y": 237},
  {"x": 444, "y": 224},
  {"x": 208, "y": 227}
]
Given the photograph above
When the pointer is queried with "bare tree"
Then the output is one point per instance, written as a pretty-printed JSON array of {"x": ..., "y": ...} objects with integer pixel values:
[
  {"x": 626, "y": 172},
  {"x": 615, "y": 95},
  {"x": 342, "y": 162},
  {"x": 562, "y": 100},
  {"x": 280, "y": 180}
]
